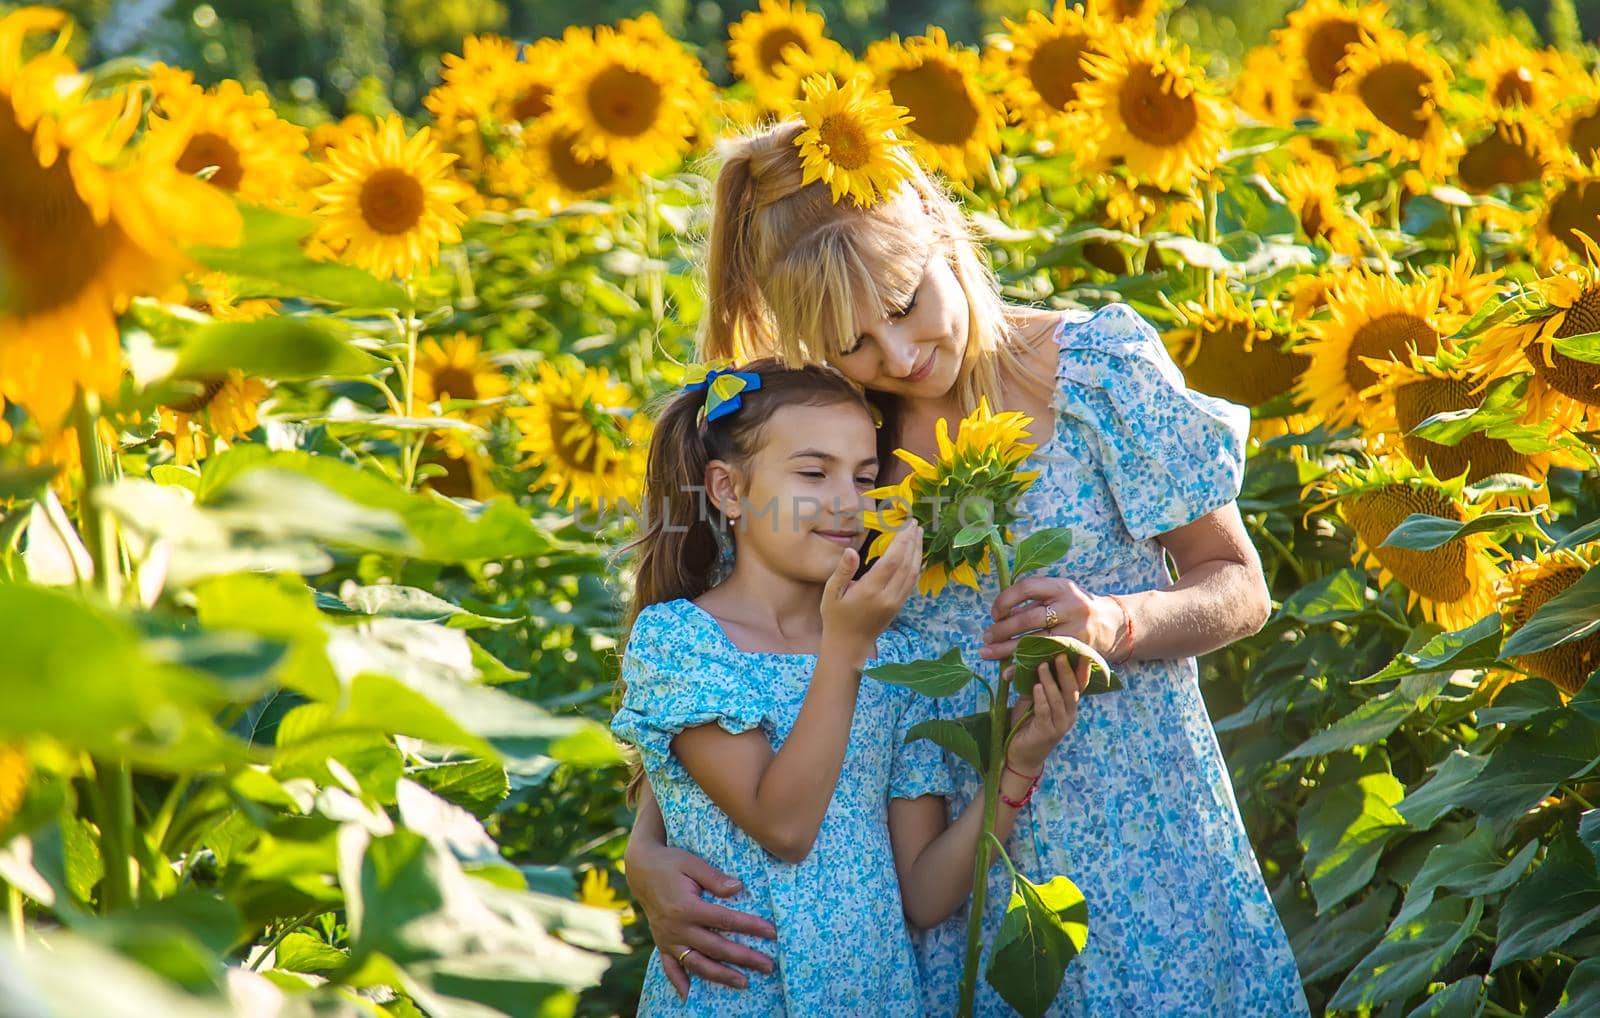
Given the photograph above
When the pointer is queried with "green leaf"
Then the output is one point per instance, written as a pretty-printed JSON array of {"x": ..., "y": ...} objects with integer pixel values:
[
  {"x": 1463, "y": 998},
  {"x": 968, "y": 737},
  {"x": 1333, "y": 943},
  {"x": 1374, "y": 719},
  {"x": 1477, "y": 646},
  {"x": 1345, "y": 829},
  {"x": 1421, "y": 532},
  {"x": 278, "y": 346},
  {"x": 301, "y": 952},
  {"x": 1472, "y": 868},
  {"x": 1501, "y": 407},
  {"x": 1584, "y": 347},
  {"x": 1581, "y": 996},
  {"x": 1427, "y": 804},
  {"x": 1570, "y": 615},
  {"x": 1528, "y": 765},
  {"x": 1409, "y": 955},
  {"x": 1042, "y": 548},
  {"x": 1559, "y": 901},
  {"x": 1331, "y": 598},
  {"x": 1492, "y": 312},
  {"x": 1036, "y": 649},
  {"x": 973, "y": 533},
  {"x": 396, "y": 601},
  {"x": 1045, "y": 927},
  {"x": 475, "y": 785},
  {"x": 944, "y": 677},
  {"x": 270, "y": 256}
]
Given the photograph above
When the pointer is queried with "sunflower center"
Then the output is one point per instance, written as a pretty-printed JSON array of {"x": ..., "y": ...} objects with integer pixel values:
[
  {"x": 624, "y": 102},
  {"x": 1386, "y": 338},
  {"x": 1153, "y": 110},
  {"x": 1568, "y": 665},
  {"x": 1313, "y": 219},
  {"x": 454, "y": 382},
  {"x": 774, "y": 43},
  {"x": 1478, "y": 455},
  {"x": 1567, "y": 376},
  {"x": 1056, "y": 69},
  {"x": 1585, "y": 136},
  {"x": 1326, "y": 45},
  {"x": 1242, "y": 365},
  {"x": 51, "y": 249},
  {"x": 213, "y": 386},
  {"x": 577, "y": 443},
  {"x": 532, "y": 104},
  {"x": 391, "y": 201},
  {"x": 1439, "y": 575},
  {"x": 577, "y": 174},
  {"x": 1576, "y": 208},
  {"x": 207, "y": 149},
  {"x": 940, "y": 104},
  {"x": 1515, "y": 88},
  {"x": 845, "y": 141},
  {"x": 1497, "y": 159},
  {"x": 1396, "y": 93}
]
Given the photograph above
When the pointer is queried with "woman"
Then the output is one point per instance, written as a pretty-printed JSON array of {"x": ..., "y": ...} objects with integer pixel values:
[{"x": 1136, "y": 808}]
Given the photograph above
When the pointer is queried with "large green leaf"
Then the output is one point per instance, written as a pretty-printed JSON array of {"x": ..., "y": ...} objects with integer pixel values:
[
  {"x": 1037, "y": 649},
  {"x": 397, "y": 601},
  {"x": 1559, "y": 901},
  {"x": 1332, "y": 598},
  {"x": 1427, "y": 804},
  {"x": 1345, "y": 829},
  {"x": 1045, "y": 927},
  {"x": 969, "y": 737},
  {"x": 944, "y": 677},
  {"x": 1421, "y": 532},
  {"x": 1334, "y": 942},
  {"x": 270, "y": 257},
  {"x": 1042, "y": 548},
  {"x": 1463, "y": 998},
  {"x": 1528, "y": 765},
  {"x": 1570, "y": 615},
  {"x": 65, "y": 973},
  {"x": 1413, "y": 951},
  {"x": 281, "y": 347},
  {"x": 1477, "y": 646},
  {"x": 1581, "y": 997},
  {"x": 1374, "y": 719}
]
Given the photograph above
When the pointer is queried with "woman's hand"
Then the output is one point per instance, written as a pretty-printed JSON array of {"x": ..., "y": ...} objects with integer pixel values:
[
  {"x": 1054, "y": 710},
  {"x": 1030, "y": 604},
  {"x": 666, "y": 882},
  {"x": 858, "y": 611}
]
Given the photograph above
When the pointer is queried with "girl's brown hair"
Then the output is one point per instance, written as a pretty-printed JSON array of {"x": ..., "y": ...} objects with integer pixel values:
[{"x": 787, "y": 267}]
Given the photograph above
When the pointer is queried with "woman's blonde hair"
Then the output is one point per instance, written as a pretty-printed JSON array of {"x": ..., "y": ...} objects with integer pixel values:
[{"x": 787, "y": 267}]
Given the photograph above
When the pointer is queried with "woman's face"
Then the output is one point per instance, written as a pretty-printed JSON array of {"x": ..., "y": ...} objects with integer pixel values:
[{"x": 916, "y": 351}]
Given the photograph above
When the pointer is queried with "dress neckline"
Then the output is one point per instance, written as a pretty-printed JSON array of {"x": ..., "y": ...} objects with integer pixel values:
[{"x": 722, "y": 634}]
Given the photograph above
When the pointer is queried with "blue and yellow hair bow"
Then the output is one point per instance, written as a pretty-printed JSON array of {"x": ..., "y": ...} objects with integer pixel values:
[{"x": 724, "y": 387}]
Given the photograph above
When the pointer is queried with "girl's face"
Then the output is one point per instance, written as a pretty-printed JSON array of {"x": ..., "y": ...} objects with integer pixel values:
[
  {"x": 914, "y": 352},
  {"x": 800, "y": 497}
]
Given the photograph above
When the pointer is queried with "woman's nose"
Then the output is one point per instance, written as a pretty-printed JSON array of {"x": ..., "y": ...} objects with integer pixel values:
[{"x": 899, "y": 356}]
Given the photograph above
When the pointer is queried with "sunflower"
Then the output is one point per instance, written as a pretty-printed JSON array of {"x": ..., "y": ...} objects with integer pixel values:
[
  {"x": 1311, "y": 189},
  {"x": 1135, "y": 13},
  {"x": 456, "y": 369},
  {"x": 978, "y": 469},
  {"x": 1135, "y": 207},
  {"x": 1506, "y": 149},
  {"x": 1454, "y": 583},
  {"x": 1570, "y": 211},
  {"x": 225, "y": 410},
  {"x": 1579, "y": 118},
  {"x": 786, "y": 90},
  {"x": 1513, "y": 75},
  {"x": 1526, "y": 586},
  {"x": 256, "y": 154},
  {"x": 954, "y": 121},
  {"x": 86, "y": 224},
  {"x": 13, "y": 782},
  {"x": 1373, "y": 318},
  {"x": 456, "y": 468},
  {"x": 1463, "y": 290},
  {"x": 1267, "y": 90},
  {"x": 559, "y": 175},
  {"x": 1152, "y": 111},
  {"x": 1042, "y": 62},
  {"x": 631, "y": 100},
  {"x": 849, "y": 141},
  {"x": 390, "y": 201},
  {"x": 1236, "y": 352},
  {"x": 1392, "y": 87},
  {"x": 763, "y": 40},
  {"x": 582, "y": 431},
  {"x": 1320, "y": 34}
]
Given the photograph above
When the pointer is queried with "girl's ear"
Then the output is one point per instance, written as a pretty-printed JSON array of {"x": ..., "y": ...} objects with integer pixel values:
[{"x": 722, "y": 488}]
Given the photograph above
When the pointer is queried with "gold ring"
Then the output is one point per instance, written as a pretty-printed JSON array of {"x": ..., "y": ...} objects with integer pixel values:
[
  {"x": 1050, "y": 616},
  {"x": 686, "y": 952}
]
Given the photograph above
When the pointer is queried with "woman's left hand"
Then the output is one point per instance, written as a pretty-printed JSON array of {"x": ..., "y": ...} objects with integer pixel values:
[{"x": 1026, "y": 607}]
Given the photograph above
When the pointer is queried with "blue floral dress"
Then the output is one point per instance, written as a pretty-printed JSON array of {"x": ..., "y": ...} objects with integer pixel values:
[
  {"x": 843, "y": 945},
  {"x": 1135, "y": 805}
]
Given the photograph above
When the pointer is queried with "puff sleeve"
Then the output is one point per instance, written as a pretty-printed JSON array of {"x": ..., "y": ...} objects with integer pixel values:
[{"x": 1170, "y": 454}]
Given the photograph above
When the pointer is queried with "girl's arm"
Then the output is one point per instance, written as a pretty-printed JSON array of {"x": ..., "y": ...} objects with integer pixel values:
[
  {"x": 779, "y": 798},
  {"x": 935, "y": 861}
]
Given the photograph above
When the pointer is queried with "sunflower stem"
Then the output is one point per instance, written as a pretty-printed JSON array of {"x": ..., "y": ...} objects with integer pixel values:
[
  {"x": 1209, "y": 204},
  {"x": 411, "y": 441},
  {"x": 14, "y": 911}
]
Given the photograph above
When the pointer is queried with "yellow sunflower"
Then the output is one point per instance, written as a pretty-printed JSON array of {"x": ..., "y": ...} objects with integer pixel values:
[
  {"x": 631, "y": 100},
  {"x": 558, "y": 173},
  {"x": 1526, "y": 586},
  {"x": 1136, "y": 13},
  {"x": 1311, "y": 188},
  {"x": 1578, "y": 117},
  {"x": 225, "y": 410},
  {"x": 1235, "y": 351},
  {"x": 786, "y": 89},
  {"x": 1372, "y": 318},
  {"x": 1150, "y": 109},
  {"x": 456, "y": 468},
  {"x": 13, "y": 782},
  {"x": 1392, "y": 87},
  {"x": 582, "y": 431},
  {"x": 1318, "y": 36},
  {"x": 1267, "y": 90},
  {"x": 1462, "y": 288},
  {"x": 1454, "y": 583},
  {"x": 979, "y": 469},
  {"x": 1508, "y": 148},
  {"x": 86, "y": 224},
  {"x": 1570, "y": 211},
  {"x": 256, "y": 154},
  {"x": 763, "y": 40},
  {"x": 849, "y": 141},
  {"x": 1513, "y": 75},
  {"x": 390, "y": 201},
  {"x": 954, "y": 121},
  {"x": 456, "y": 369},
  {"x": 1041, "y": 59}
]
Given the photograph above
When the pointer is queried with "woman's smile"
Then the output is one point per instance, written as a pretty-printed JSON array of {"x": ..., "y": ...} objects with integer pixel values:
[{"x": 921, "y": 373}]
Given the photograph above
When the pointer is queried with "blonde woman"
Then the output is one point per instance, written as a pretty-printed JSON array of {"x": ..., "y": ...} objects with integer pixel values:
[{"x": 1136, "y": 807}]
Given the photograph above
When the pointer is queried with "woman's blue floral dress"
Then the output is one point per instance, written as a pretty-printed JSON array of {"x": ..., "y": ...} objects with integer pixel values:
[
  {"x": 843, "y": 946},
  {"x": 1135, "y": 806}
]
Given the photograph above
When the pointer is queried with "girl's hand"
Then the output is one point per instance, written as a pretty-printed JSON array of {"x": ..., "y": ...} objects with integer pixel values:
[
  {"x": 1054, "y": 710},
  {"x": 1021, "y": 609},
  {"x": 858, "y": 611},
  {"x": 667, "y": 883}
]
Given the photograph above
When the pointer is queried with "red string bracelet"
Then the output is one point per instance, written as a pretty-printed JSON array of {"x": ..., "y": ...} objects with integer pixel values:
[
  {"x": 1127, "y": 630},
  {"x": 1033, "y": 786}
]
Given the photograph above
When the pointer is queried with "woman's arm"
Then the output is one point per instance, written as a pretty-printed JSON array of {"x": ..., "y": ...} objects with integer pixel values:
[
  {"x": 1220, "y": 596},
  {"x": 935, "y": 861}
]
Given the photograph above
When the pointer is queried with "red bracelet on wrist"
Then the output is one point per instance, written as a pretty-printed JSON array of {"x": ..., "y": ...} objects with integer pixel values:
[
  {"x": 1033, "y": 785},
  {"x": 1126, "y": 637}
]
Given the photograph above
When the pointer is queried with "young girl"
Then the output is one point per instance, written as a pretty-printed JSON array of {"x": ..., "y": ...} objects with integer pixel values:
[
  {"x": 1137, "y": 807},
  {"x": 769, "y": 756}
]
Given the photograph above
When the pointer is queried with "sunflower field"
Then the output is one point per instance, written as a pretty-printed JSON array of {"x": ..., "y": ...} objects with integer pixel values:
[{"x": 320, "y": 437}]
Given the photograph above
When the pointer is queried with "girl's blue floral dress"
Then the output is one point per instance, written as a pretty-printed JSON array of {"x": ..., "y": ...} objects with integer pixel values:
[
  {"x": 1135, "y": 806},
  {"x": 843, "y": 946}
]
